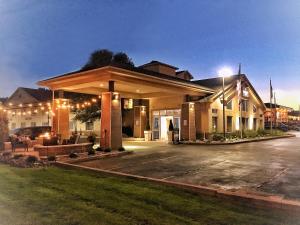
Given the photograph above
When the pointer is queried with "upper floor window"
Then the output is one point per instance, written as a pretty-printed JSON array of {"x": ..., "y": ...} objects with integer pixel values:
[
  {"x": 214, "y": 111},
  {"x": 128, "y": 103},
  {"x": 244, "y": 105},
  {"x": 254, "y": 109},
  {"x": 229, "y": 105}
]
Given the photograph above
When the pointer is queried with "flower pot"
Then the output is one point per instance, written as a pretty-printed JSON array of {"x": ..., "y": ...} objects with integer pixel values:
[
  {"x": 148, "y": 135},
  {"x": 170, "y": 137}
]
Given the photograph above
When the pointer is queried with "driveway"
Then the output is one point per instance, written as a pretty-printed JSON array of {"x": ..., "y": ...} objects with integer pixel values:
[{"x": 268, "y": 166}]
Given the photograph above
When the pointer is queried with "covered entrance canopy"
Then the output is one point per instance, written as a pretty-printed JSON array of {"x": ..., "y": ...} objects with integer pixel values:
[{"x": 113, "y": 83}]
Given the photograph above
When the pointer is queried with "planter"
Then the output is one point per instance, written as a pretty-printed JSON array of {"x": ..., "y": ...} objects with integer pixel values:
[
  {"x": 148, "y": 135},
  {"x": 170, "y": 137}
]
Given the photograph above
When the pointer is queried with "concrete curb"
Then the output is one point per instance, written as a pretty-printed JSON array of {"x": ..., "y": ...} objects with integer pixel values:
[
  {"x": 95, "y": 157},
  {"x": 241, "y": 142},
  {"x": 269, "y": 202}
]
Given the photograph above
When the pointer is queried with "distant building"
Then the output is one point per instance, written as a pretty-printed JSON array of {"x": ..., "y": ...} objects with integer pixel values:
[
  {"x": 277, "y": 113},
  {"x": 28, "y": 107},
  {"x": 294, "y": 116}
]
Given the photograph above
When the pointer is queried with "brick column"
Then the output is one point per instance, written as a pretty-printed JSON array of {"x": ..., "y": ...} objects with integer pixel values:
[
  {"x": 111, "y": 120},
  {"x": 140, "y": 120},
  {"x": 60, "y": 120},
  {"x": 188, "y": 128}
]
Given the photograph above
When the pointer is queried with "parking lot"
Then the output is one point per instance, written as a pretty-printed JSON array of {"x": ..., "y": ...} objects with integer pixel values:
[{"x": 270, "y": 166}]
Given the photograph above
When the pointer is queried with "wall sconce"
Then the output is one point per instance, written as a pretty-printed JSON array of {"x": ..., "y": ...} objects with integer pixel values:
[
  {"x": 143, "y": 109},
  {"x": 192, "y": 104},
  {"x": 115, "y": 96}
]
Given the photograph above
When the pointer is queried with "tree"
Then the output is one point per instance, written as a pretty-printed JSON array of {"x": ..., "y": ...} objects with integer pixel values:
[
  {"x": 97, "y": 59},
  {"x": 3, "y": 129},
  {"x": 104, "y": 57}
]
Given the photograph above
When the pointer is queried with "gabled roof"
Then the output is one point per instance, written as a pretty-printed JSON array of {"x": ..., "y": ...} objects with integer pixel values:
[
  {"x": 154, "y": 62},
  {"x": 44, "y": 95},
  {"x": 217, "y": 85},
  {"x": 133, "y": 69},
  {"x": 217, "y": 82},
  {"x": 40, "y": 94},
  {"x": 185, "y": 72},
  {"x": 269, "y": 105},
  {"x": 3, "y": 100}
]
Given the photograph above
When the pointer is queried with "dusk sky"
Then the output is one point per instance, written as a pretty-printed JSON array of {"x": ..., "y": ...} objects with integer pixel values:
[{"x": 43, "y": 38}]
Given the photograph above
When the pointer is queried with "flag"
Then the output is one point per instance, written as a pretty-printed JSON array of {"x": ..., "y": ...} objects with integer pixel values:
[{"x": 271, "y": 90}]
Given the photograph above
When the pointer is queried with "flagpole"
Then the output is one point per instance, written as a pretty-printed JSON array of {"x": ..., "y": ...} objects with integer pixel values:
[
  {"x": 271, "y": 93},
  {"x": 240, "y": 100}
]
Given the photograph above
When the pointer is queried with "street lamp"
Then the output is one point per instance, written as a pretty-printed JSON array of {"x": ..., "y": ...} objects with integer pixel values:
[{"x": 224, "y": 72}]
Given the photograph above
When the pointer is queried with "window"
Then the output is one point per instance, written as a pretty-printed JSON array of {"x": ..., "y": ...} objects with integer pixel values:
[
  {"x": 245, "y": 123},
  {"x": 23, "y": 124},
  {"x": 229, "y": 105},
  {"x": 215, "y": 111},
  {"x": 254, "y": 109},
  {"x": 45, "y": 123},
  {"x": 176, "y": 122},
  {"x": 71, "y": 124},
  {"x": 156, "y": 123},
  {"x": 33, "y": 124},
  {"x": 254, "y": 124},
  {"x": 128, "y": 103},
  {"x": 89, "y": 126},
  {"x": 244, "y": 105},
  {"x": 229, "y": 123},
  {"x": 214, "y": 124}
]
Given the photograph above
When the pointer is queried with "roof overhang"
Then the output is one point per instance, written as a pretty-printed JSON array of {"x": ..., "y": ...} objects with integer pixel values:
[{"x": 128, "y": 83}]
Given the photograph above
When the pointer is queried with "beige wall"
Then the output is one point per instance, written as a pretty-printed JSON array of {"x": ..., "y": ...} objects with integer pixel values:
[{"x": 235, "y": 113}]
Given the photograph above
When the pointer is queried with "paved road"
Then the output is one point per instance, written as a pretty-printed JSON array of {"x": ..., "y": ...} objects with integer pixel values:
[{"x": 269, "y": 166}]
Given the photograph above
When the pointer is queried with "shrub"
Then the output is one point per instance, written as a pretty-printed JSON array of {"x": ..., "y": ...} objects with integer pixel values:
[
  {"x": 31, "y": 159},
  {"x": 73, "y": 155},
  {"x": 107, "y": 150},
  {"x": 121, "y": 149},
  {"x": 99, "y": 149},
  {"x": 261, "y": 132},
  {"x": 17, "y": 156},
  {"x": 91, "y": 151},
  {"x": 218, "y": 137},
  {"x": 6, "y": 154},
  {"x": 250, "y": 133},
  {"x": 51, "y": 158}
]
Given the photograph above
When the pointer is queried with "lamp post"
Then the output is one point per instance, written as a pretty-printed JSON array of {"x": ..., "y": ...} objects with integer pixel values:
[{"x": 224, "y": 72}]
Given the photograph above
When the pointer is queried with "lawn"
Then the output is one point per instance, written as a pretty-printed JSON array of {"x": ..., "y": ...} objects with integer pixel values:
[{"x": 58, "y": 196}]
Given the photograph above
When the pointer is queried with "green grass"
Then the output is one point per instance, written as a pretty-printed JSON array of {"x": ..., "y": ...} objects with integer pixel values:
[{"x": 73, "y": 197}]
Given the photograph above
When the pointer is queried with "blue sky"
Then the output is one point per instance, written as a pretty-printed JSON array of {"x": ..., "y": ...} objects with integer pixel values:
[{"x": 41, "y": 38}]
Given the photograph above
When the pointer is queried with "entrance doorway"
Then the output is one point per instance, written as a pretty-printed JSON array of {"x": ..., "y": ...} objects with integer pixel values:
[
  {"x": 164, "y": 126},
  {"x": 161, "y": 121}
]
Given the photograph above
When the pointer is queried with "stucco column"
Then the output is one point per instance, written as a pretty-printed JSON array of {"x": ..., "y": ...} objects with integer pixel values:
[
  {"x": 60, "y": 119},
  {"x": 188, "y": 127},
  {"x": 111, "y": 120},
  {"x": 140, "y": 120}
]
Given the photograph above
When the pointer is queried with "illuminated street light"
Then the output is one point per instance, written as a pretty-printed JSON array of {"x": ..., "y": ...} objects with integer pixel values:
[{"x": 224, "y": 72}]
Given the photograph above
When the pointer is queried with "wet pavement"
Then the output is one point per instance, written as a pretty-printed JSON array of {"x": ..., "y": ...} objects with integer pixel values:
[{"x": 270, "y": 166}]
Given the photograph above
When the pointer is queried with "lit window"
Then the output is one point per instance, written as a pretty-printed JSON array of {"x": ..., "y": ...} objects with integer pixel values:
[
  {"x": 214, "y": 123},
  {"x": 128, "y": 103}
]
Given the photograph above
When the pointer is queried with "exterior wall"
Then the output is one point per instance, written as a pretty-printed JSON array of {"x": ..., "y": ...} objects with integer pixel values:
[
  {"x": 174, "y": 102},
  {"x": 234, "y": 113},
  {"x": 281, "y": 115}
]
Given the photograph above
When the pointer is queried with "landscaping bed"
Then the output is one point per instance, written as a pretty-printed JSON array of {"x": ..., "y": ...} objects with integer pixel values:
[{"x": 59, "y": 196}]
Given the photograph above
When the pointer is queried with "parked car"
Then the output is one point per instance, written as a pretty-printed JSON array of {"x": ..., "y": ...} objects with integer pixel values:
[
  {"x": 283, "y": 127},
  {"x": 31, "y": 132}
]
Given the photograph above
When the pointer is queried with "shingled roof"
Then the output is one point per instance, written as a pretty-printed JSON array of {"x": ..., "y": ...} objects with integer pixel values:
[{"x": 216, "y": 82}]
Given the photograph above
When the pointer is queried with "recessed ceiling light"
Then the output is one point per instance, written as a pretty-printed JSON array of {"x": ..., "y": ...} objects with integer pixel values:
[
  {"x": 137, "y": 90},
  {"x": 101, "y": 85}
]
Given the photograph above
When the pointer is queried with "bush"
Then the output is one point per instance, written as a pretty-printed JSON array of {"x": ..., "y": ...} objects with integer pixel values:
[
  {"x": 17, "y": 156},
  {"x": 261, "y": 132},
  {"x": 250, "y": 134},
  {"x": 51, "y": 158},
  {"x": 121, "y": 149},
  {"x": 107, "y": 150},
  {"x": 73, "y": 155},
  {"x": 99, "y": 149},
  {"x": 31, "y": 159},
  {"x": 218, "y": 137},
  {"x": 91, "y": 151}
]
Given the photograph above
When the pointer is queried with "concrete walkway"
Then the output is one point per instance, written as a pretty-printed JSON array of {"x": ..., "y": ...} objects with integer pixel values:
[{"x": 270, "y": 166}]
